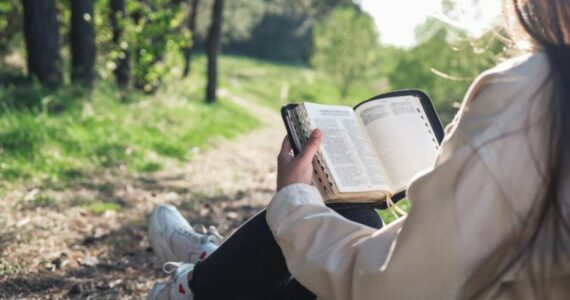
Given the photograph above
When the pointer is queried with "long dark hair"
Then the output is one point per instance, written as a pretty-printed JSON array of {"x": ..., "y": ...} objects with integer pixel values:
[{"x": 547, "y": 23}]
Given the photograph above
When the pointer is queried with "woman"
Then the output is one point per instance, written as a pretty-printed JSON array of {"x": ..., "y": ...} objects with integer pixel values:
[{"x": 488, "y": 220}]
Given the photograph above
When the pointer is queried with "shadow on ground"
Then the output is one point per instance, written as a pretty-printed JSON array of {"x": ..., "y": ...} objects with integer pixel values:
[{"x": 119, "y": 263}]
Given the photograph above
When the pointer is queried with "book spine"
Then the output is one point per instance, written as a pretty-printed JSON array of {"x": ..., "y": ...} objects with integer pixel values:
[{"x": 322, "y": 176}]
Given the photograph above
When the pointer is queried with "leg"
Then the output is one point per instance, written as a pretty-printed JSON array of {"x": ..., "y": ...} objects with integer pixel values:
[{"x": 250, "y": 264}]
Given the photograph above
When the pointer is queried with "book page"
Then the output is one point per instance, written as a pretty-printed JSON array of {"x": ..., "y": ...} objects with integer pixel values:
[
  {"x": 401, "y": 135},
  {"x": 346, "y": 149}
]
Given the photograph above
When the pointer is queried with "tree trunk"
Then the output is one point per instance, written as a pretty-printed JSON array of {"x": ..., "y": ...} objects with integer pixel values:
[
  {"x": 82, "y": 42},
  {"x": 122, "y": 64},
  {"x": 191, "y": 27},
  {"x": 213, "y": 48},
  {"x": 41, "y": 31}
]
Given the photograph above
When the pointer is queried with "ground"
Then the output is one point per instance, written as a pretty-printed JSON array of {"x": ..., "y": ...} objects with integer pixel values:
[{"x": 64, "y": 250}]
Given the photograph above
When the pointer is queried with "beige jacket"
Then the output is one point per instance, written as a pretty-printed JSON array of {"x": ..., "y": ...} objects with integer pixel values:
[{"x": 472, "y": 202}]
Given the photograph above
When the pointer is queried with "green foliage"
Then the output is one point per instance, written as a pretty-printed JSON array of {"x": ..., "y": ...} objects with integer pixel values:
[
  {"x": 10, "y": 24},
  {"x": 90, "y": 132},
  {"x": 98, "y": 207},
  {"x": 444, "y": 64},
  {"x": 316, "y": 10},
  {"x": 149, "y": 30},
  {"x": 157, "y": 28},
  {"x": 240, "y": 17},
  {"x": 275, "y": 85},
  {"x": 346, "y": 45},
  {"x": 388, "y": 216},
  {"x": 150, "y": 166},
  {"x": 278, "y": 30},
  {"x": 44, "y": 201}
]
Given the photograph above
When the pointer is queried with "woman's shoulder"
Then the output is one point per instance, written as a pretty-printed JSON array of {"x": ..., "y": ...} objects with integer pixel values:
[
  {"x": 522, "y": 64},
  {"x": 500, "y": 98},
  {"x": 503, "y": 119},
  {"x": 512, "y": 75}
]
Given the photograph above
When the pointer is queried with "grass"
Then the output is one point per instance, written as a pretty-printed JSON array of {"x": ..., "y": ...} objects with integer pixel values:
[
  {"x": 44, "y": 200},
  {"x": 58, "y": 136},
  {"x": 389, "y": 217},
  {"x": 61, "y": 135},
  {"x": 275, "y": 85},
  {"x": 99, "y": 207}
]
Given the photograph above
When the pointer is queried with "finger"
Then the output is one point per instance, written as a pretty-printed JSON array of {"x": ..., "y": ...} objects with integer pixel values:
[
  {"x": 285, "y": 152},
  {"x": 311, "y": 147}
]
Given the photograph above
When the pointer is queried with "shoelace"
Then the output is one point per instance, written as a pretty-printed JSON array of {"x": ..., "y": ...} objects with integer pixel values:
[
  {"x": 194, "y": 236},
  {"x": 212, "y": 236},
  {"x": 174, "y": 265}
]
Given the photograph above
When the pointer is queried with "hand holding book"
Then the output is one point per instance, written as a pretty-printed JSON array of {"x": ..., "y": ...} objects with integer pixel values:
[
  {"x": 371, "y": 152},
  {"x": 297, "y": 169}
]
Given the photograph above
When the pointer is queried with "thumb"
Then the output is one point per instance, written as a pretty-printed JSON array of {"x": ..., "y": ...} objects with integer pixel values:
[{"x": 311, "y": 147}]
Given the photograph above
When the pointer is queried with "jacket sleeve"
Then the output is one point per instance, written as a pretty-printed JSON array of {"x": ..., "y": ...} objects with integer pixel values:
[{"x": 428, "y": 254}]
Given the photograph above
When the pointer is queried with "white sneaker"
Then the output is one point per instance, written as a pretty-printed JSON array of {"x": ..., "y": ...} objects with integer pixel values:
[
  {"x": 173, "y": 239},
  {"x": 177, "y": 288}
]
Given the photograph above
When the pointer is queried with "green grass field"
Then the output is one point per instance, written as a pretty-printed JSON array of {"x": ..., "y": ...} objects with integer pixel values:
[
  {"x": 51, "y": 137},
  {"x": 60, "y": 136},
  {"x": 275, "y": 84}
]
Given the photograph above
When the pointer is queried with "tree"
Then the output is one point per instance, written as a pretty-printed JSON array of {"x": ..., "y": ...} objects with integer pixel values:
[
  {"x": 41, "y": 32},
  {"x": 321, "y": 9},
  {"x": 118, "y": 15},
  {"x": 10, "y": 13},
  {"x": 280, "y": 30},
  {"x": 240, "y": 17},
  {"x": 82, "y": 42},
  {"x": 192, "y": 28},
  {"x": 444, "y": 63},
  {"x": 154, "y": 31},
  {"x": 213, "y": 49},
  {"x": 346, "y": 44}
]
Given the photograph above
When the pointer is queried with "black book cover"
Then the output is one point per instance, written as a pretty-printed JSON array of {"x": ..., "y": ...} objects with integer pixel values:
[{"x": 433, "y": 119}]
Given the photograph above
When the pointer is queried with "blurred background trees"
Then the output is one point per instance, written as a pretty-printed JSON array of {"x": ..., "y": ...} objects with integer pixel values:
[
  {"x": 213, "y": 49},
  {"x": 132, "y": 39},
  {"x": 82, "y": 40},
  {"x": 41, "y": 31},
  {"x": 345, "y": 46},
  {"x": 120, "y": 54},
  {"x": 125, "y": 82},
  {"x": 188, "y": 49},
  {"x": 444, "y": 63},
  {"x": 10, "y": 24}
]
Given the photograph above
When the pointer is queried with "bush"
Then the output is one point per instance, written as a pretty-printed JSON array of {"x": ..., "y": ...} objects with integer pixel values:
[{"x": 346, "y": 45}]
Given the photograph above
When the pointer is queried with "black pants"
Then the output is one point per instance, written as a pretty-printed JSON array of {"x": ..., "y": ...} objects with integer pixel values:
[{"x": 250, "y": 264}]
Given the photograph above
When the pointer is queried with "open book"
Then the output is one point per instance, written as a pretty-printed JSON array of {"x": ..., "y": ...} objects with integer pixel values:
[{"x": 369, "y": 152}]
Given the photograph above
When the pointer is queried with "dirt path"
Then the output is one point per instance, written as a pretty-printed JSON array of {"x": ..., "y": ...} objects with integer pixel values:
[{"x": 62, "y": 250}]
